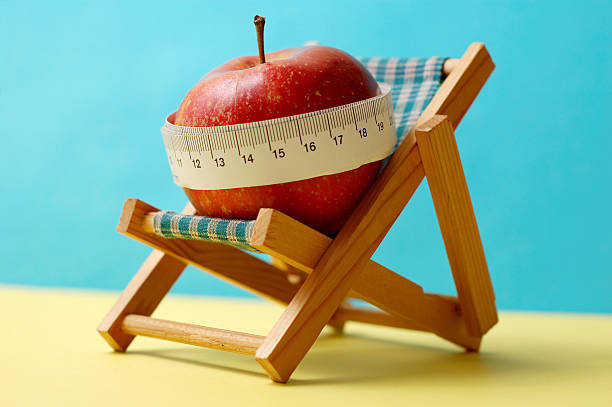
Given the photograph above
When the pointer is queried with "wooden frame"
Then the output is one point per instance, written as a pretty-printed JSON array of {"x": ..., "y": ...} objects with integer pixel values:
[{"x": 313, "y": 274}]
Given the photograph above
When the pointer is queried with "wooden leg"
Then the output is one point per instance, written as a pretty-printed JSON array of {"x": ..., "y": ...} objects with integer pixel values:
[
  {"x": 302, "y": 247},
  {"x": 402, "y": 298},
  {"x": 332, "y": 277},
  {"x": 142, "y": 295},
  {"x": 451, "y": 198},
  {"x": 223, "y": 261},
  {"x": 330, "y": 281},
  {"x": 163, "y": 267}
]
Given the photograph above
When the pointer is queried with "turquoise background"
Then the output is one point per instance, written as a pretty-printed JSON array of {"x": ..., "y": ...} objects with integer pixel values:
[{"x": 85, "y": 87}]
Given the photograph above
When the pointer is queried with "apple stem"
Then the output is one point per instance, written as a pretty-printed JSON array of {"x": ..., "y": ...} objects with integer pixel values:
[{"x": 259, "y": 26}]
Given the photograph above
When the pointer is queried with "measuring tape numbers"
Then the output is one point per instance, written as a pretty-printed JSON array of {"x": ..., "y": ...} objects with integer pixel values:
[{"x": 281, "y": 150}]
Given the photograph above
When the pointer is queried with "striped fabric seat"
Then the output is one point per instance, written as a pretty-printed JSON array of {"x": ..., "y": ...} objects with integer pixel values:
[
  {"x": 230, "y": 231},
  {"x": 413, "y": 81}
]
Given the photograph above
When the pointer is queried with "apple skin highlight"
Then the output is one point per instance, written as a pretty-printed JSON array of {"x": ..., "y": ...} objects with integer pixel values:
[{"x": 290, "y": 82}]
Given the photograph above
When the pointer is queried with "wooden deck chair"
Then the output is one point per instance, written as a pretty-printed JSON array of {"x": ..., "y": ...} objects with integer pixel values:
[{"x": 313, "y": 274}]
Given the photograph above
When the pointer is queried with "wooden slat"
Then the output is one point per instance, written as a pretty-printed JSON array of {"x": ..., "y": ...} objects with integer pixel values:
[
  {"x": 224, "y": 261},
  {"x": 451, "y": 198},
  {"x": 331, "y": 279},
  {"x": 376, "y": 317},
  {"x": 143, "y": 294},
  {"x": 402, "y": 298},
  {"x": 334, "y": 274},
  {"x": 323, "y": 292},
  {"x": 301, "y": 246},
  {"x": 214, "y": 338}
]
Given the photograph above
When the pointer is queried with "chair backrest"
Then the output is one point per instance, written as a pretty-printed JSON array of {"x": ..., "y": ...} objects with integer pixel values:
[{"x": 414, "y": 83}]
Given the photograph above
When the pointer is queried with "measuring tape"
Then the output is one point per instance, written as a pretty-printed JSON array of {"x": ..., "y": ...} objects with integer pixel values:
[{"x": 281, "y": 150}]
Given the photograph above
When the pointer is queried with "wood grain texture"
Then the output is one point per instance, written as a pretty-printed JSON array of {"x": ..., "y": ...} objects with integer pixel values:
[
  {"x": 340, "y": 262},
  {"x": 301, "y": 246},
  {"x": 294, "y": 276},
  {"x": 224, "y": 261},
  {"x": 143, "y": 294},
  {"x": 214, "y": 338},
  {"x": 451, "y": 198},
  {"x": 331, "y": 279},
  {"x": 333, "y": 275},
  {"x": 221, "y": 260},
  {"x": 455, "y": 328},
  {"x": 376, "y": 317}
]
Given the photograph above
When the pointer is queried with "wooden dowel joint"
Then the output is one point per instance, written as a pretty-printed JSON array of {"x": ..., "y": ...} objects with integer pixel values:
[{"x": 448, "y": 66}]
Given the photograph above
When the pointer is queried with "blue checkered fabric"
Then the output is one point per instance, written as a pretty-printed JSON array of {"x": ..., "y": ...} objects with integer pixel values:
[
  {"x": 230, "y": 231},
  {"x": 413, "y": 81}
]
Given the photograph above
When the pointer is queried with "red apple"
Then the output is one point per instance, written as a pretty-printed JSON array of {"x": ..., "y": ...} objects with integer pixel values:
[{"x": 290, "y": 82}]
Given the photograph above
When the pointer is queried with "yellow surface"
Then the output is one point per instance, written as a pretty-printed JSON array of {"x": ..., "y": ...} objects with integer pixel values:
[{"x": 52, "y": 355}]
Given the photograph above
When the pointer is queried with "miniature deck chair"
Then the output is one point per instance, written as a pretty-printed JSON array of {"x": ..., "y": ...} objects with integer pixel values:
[{"x": 313, "y": 274}]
